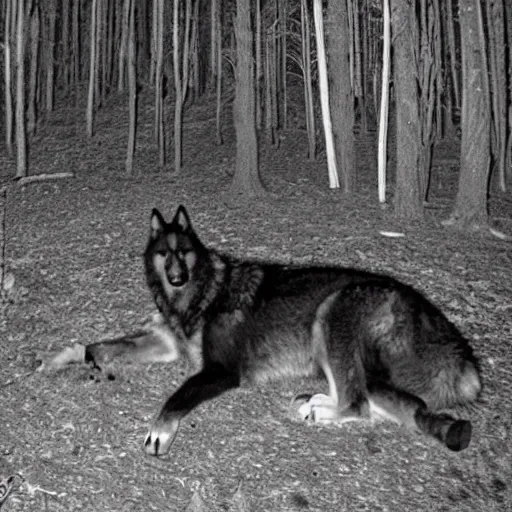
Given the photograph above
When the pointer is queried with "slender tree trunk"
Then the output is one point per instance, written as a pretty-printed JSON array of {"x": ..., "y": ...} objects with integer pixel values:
[
  {"x": 363, "y": 93},
  {"x": 194, "y": 52},
  {"x": 341, "y": 93},
  {"x": 98, "y": 31},
  {"x": 383, "y": 111},
  {"x": 102, "y": 48},
  {"x": 218, "y": 83},
  {"x": 158, "y": 28},
  {"x": 498, "y": 76},
  {"x": 152, "y": 65},
  {"x": 471, "y": 203},
  {"x": 77, "y": 54},
  {"x": 66, "y": 25},
  {"x": 323, "y": 82},
  {"x": 305, "y": 27},
  {"x": 10, "y": 13},
  {"x": 283, "y": 8},
  {"x": 123, "y": 48},
  {"x": 274, "y": 99},
  {"x": 33, "y": 103},
  {"x": 177, "y": 86},
  {"x": 408, "y": 202},
  {"x": 246, "y": 181},
  {"x": 186, "y": 50},
  {"x": 50, "y": 55},
  {"x": 214, "y": 9},
  {"x": 453, "y": 53},
  {"x": 132, "y": 89},
  {"x": 268, "y": 90},
  {"x": 92, "y": 70},
  {"x": 508, "y": 151},
  {"x": 21, "y": 133},
  {"x": 429, "y": 86},
  {"x": 258, "y": 64},
  {"x": 180, "y": 77}
]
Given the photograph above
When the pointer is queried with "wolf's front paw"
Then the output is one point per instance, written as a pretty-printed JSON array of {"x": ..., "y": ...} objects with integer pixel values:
[{"x": 160, "y": 437}]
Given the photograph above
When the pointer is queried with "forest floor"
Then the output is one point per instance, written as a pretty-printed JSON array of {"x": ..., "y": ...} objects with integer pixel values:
[{"x": 74, "y": 247}]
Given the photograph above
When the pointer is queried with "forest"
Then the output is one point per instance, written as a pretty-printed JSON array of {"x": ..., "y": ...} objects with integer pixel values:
[{"x": 368, "y": 134}]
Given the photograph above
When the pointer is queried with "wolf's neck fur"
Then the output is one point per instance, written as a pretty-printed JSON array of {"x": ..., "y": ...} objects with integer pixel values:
[{"x": 204, "y": 288}]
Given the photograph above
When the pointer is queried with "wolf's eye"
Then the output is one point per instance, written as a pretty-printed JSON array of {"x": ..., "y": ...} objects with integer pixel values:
[{"x": 180, "y": 255}]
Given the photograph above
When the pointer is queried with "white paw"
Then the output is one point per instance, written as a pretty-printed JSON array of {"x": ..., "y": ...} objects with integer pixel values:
[
  {"x": 319, "y": 408},
  {"x": 160, "y": 437}
]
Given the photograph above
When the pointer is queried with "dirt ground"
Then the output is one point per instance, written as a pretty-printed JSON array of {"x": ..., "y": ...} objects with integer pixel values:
[{"x": 74, "y": 247}]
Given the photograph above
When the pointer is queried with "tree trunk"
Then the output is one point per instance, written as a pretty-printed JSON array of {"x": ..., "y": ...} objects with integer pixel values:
[
  {"x": 50, "y": 55},
  {"x": 382, "y": 70},
  {"x": 341, "y": 94},
  {"x": 21, "y": 129},
  {"x": 408, "y": 202},
  {"x": 323, "y": 83},
  {"x": 77, "y": 53},
  {"x": 498, "y": 85},
  {"x": 471, "y": 203},
  {"x": 246, "y": 181},
  {"x": 10, "y": 14},
  {"x": 33, "y": 103},
  {"x": 132, "y": 89},
  {"x": 93, "y": 70},
  {"x": 308, "y": 80},
  {"x": 508, "y": 156}
]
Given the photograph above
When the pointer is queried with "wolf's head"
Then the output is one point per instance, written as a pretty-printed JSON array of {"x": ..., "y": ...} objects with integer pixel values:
[{"x": 173, "y": 251}]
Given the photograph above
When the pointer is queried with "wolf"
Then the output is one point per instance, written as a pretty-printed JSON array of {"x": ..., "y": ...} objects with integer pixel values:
[{"x": 386, "y": 352}]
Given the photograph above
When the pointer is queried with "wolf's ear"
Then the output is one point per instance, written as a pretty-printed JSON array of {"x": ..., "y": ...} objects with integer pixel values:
[
  {"x": 182, "y": 219},
  {"x": 157, "y": 224}
]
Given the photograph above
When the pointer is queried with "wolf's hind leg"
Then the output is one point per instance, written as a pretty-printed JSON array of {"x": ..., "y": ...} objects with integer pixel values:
[
  {"x": 320, "y": 407},
  {"x": 346, "y": 399},
  {"x": 319, "y": 336},
  {"x": 403, "y": 408}
]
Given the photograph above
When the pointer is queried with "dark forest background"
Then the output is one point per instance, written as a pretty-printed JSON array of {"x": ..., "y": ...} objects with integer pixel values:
[{"x": 433, "y": 70}]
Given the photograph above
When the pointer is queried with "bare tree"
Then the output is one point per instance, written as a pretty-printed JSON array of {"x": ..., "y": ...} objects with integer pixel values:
[
  {"x": 181, "y": 69},
  {"x": 76, "y": 47},
  {"x": 305, "y": 31},
  {"x": 132, "y": 87},
  {"x": 471, "y": 203},
  {"x": 123, "y": 45},
  {"x": 21, "y": 130},
  {"x": 323, "y": 81},
  {"x": 158, "y": 48},
  {"x": 33, "y": 103},
  {"x": 10, "y": 14},
  {"x": 508, "y": 151},
  {"x": 93, "y": 69},
  {"x": 383, "y": 112},
  {"x": 408, "y": 202},
  {"x": 341, "y": 93},
  {"x": 498, "y": 86},
  {"x": 246, "y": 181},
  {"x": 218, "y": 78},
  {"x": 50, "y": 54}
]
